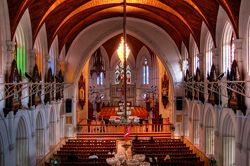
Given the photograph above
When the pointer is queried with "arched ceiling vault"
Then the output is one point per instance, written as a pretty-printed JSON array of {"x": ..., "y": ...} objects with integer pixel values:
[{"x": 179, "y": 18}]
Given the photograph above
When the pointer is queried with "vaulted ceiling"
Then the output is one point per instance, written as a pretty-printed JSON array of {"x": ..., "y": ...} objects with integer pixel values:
[{"x": 67, "y": 18}]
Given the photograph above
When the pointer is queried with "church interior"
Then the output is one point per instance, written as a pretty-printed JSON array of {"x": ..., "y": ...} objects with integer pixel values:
[{"x": 157, "y": 81}]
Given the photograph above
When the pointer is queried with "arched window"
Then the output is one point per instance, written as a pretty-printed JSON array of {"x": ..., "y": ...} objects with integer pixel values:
[
  {"x": 228, "y": 47},
  {"x": 185, "y": 61},
  {"x": 145, "y": 72},
  {"x": 99, "y": 79},
  {"x": 228, "y": 139},
  {"x": 22, "y": 143},
  {"x": 209, "y": 53},
  {"x": 209, "y": 133},
  {"x": 196, "y": 59},
  {"x": 52, "y": 59},
  {"x": 40, "y": 147},
  {"x": 39, "y": 55},
  {"x": 119, "y": 73},
  {"x": 20, "y": 55},
  {"x": 52, "y": 128},
  {"x": 196, "y": 132}
]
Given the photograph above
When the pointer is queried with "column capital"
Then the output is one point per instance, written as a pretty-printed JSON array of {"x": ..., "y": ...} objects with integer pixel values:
[
  {"x": 239, "y": 146},
  {"x": 181, "y": 63},
  {"x": 47, "y": 56},
  {"x": 10, "y": 45},
  {"x": 215, "y": 51},
  {"x": 216, "y": 133},
  {"x": 201, "y": 125},
  {"x": 11, "y": 147},
  {"x": 238, "y": 43},
  {"x": 189, "y": 60},
  {"x": 32, "y": 53},
  {"x": 200, "y": 56}
]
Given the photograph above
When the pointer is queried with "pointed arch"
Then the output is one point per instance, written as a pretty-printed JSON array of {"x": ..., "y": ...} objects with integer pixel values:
[
  {"x": 39, "y": 54},
  {"x": 227, "y": 47},
  {"x": 62, "y": 121},
  {"x": 209, "y": 132},
  {"x": 196, "y": 132},
  {"x": 184, "y": 53},
  {"x": 228, "y": 139},
  {"x": 22, "y": 146},
  {"x": 54, "y": 54},
  {"x": 40, "y": 136},
  {"x": 196, "y": 62},
  {"x": 209, "y": 54},
  {"x": 52, "y": 127}
]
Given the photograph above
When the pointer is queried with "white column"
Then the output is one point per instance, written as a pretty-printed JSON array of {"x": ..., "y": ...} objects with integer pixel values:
[
  {"x": 190, "y": 66},
  {"x": 238, "y": 53},
  {"x": 201, "y": 60},
  {"x": 216, "y": 59},
  {"x": 32, "y": 60},
  {"x": 10, "y": 55},
  {"x": 47, "y": 56}
]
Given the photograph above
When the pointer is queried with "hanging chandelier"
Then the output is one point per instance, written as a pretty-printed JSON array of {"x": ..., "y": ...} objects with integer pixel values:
[
  {"x": 120, "y": 50},
  {"x": 124, "y": 111}
]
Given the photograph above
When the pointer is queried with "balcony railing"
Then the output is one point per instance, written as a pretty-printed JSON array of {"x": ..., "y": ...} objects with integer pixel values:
[{"x": 112, "y": 128}]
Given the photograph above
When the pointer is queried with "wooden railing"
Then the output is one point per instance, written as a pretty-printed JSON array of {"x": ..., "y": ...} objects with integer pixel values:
[
  {"x": 197, "y": 151},
  {"x": 112, "y": 128}
]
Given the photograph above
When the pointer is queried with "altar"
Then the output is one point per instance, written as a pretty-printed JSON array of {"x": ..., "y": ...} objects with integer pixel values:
[{"x": 108, "y": 112}]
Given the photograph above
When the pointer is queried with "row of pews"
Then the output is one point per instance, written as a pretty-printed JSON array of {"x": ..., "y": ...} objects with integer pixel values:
[
  {"x": 83, "y": 148},
  {"x": 179, "y": 153},
  {"x": 157, "y": 150}
]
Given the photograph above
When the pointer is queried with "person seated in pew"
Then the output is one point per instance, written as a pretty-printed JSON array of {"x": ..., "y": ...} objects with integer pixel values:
[
  {"x": 136, "y": 138},
  {"x": 72, "y": 157},
  {"x": 167, "y": 158},
  {"x": 153, "y": 159},
  {"x": 93, "y": 156},
  {"x": 151, "y": 139},
  {"x": 111, "y": 152}
]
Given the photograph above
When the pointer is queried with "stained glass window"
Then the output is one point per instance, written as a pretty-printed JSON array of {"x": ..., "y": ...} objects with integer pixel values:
[
  {"x": 119, "y": 73},
  {"x": 145, "y": 72},
  {"x": 232, "y": 49},
  {"x": 209, "y": 53},
  {"x": 228, "y": 47},
  {"x": 99, "y": 79},
  {"x": 51, "y": 59},
  {"x": 20, "y": 50},
  {"x": 196, "y": 59}
]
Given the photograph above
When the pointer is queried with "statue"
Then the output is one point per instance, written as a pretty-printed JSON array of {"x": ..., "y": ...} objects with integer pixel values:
[
  {"x": 98, "y": 102},
  {"x": 164, "y": 92},
  {"x": 98, "y": 98}
]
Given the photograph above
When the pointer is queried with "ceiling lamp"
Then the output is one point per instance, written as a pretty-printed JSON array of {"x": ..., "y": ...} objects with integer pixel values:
[
  {"x": 120, "y": 50},
  {"x": 124, "y": 113}
]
